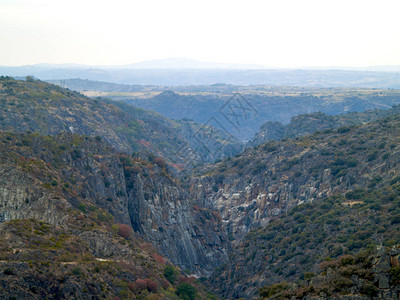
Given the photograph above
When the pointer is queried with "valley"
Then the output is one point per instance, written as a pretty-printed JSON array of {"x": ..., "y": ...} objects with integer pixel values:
[{"x": 299, "y": 199}]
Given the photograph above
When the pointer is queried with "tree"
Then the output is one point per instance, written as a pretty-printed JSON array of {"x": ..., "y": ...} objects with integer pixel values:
[
  {"x": 170, "y": 274},
  {"x": 186, "y": 291}
]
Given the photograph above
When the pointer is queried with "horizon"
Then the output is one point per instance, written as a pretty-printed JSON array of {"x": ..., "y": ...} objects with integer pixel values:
[{"x": 232, "y": 66}]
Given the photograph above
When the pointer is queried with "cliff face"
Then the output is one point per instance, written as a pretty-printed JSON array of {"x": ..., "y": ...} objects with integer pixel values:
[
  {"x": 46, "y": 177},
  {"x": 65, "y": 223},
  {"x": 162, "y": 212},
  {"x": 43, "y": 176}
]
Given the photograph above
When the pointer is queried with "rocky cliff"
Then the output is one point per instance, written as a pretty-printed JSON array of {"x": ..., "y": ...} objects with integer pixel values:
[
  {"x": 68, "y": 204},
  {"x": 284, "y": 205},
  {"x": 42, "y": 177}
]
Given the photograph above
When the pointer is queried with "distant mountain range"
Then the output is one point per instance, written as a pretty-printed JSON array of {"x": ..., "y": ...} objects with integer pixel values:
[
  {"x": 166, "y": 63},
  {"x": 181, "y": 71}
]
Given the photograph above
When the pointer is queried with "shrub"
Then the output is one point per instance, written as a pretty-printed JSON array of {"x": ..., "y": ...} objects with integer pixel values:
[
  {"x": 189, "y": 279},
  {"x": 372, "y": 156},
  {"x": 170, "y": 274},
  {"x": 343, "y": 129},
  {"x": 160, "y": 162},
  {"x": 138, "y": 285},
  {"x": 186, "y": 291},
  {"x": 356, "y": 194},
  {"x": 125, "y": 231},
  {"x": 346, "y": 260},
  {"x": 395, "y": 275},
  {"x": 368, "y": 289},
  {"x": 269, "y": 291},
  {"x": 82, "y": 207},
  {"x": 77, "y": 271},
  {"x": 158, "y": 258},
  {"x": 8, "y": 271},
  {"x": 151, "y": 285},
  {"x": 395, "y": 220}
]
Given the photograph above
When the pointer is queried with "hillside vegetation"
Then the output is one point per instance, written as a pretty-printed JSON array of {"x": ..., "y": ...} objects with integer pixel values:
[
  {"x": 287, "y": 206},
  {"x": 36, "y": 106},
  {"x": 65, "y": 226},
  {"x": 309, "y": 123},
  {"x": 91, "y": 205},
  {"x": 242, "y": 114}
]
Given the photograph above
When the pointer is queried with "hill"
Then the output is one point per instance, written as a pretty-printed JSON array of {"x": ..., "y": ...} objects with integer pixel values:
[
  {"x": 311, "y": 216},
  {"x": 36, "y": 106},
  {"x": 309, "y": 123},
  {"x": 65, "y": 221},
  {"x": 288, "y": 205},
  {"x": 242, "y": 114}
]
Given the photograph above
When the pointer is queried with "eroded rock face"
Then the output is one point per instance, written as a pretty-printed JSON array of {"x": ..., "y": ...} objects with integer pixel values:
[
  {"x": 269, "y": 180},
  {"x": 78, "y": 173},
  {"x": 36, "y": 183},
  {"x": 248, "y": 203},
  {"x": 162, "y": 213}
]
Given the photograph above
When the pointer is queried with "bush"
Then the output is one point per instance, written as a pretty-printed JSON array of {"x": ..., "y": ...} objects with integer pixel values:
[
  {"x": 160, "y": 162},
  {"x": 77, "y": 271},
  {"x": 186, "y": 291},
  {"x": 269, "y": 291},
  {"x": 170, "y": 274},
  {"x": 151, "y": 285},
  {"x": 138, "y": 285},
  {"x": 125, "y": 231},
  {"x": 82, "y": 207},
  {"x": 189, "y": 279},
  {"x": 372, "y": 156},
  {"x": 8, "y": 271},
  {"x": 368, "y": 289},
  {"x": 395, "y": 220},
  {"x": 395, "y": 275}
]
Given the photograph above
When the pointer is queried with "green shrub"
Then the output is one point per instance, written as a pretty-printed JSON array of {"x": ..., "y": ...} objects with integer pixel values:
[
  {"x": 77, "y": 271},
  {"x": 395, "y": 275},
  {"x": 369, "y": 289},
  {"x": 269, "y": 291},
  {"x": 170, "y": 274},
  {"x": 186, "y": 291}
]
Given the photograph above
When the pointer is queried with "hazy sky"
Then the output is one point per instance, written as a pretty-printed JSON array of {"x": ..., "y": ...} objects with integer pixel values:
[{"x": 274, "y": 33}]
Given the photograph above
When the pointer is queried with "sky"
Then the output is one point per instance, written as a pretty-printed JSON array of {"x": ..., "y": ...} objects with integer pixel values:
[{"x": 272, "y": 33}]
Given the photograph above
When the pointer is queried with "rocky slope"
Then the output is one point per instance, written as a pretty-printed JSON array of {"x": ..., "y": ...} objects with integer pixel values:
[
  {"x": 366, "y": 275},
  {"x": 66, "y": 209},
  {"x": 37, "y": 106},
  {"x": 276, "y": 179},
  {"x": 68, "y": 204},
  {"x": 281, "y": 211},
  {"x": 306, "y": 124}
]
